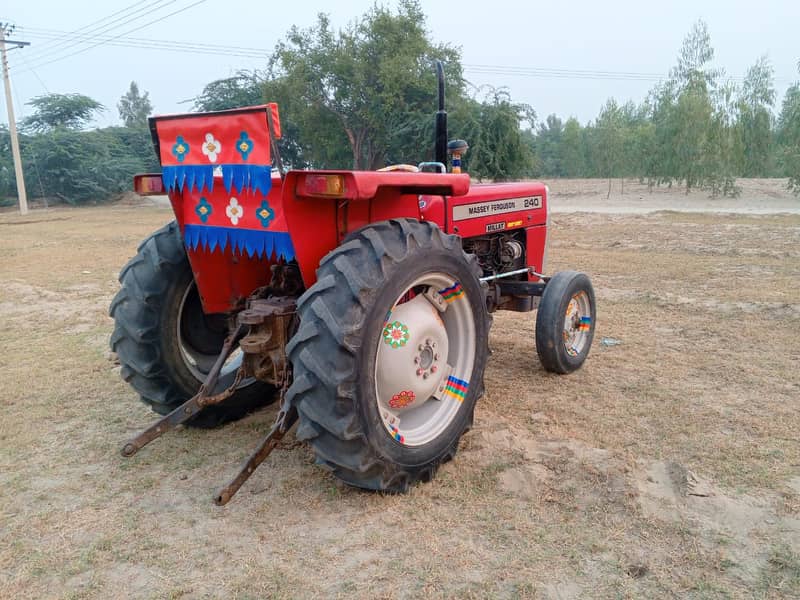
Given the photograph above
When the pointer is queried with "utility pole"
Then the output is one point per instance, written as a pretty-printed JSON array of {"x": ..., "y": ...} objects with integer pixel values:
[{"x": 8, "y": 29}]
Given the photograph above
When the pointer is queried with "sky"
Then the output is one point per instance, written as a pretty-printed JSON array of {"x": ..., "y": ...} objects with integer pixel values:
[{"x": 520, "y": 45}]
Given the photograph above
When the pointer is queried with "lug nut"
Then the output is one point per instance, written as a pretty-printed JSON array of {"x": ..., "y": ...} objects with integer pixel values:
[
  {"x": 435, "y": 357},
  {"x": 429, "y": 342},
  {"x": 419, "y": 372},
  {"x": 416, "y": 360},
  {"x": 434, "y": 368},
  {"x": 425, "y": 376},
  {"x": 421, "y": 348}
]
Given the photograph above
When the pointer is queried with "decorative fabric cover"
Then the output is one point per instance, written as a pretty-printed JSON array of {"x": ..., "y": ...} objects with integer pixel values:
[{"x": 220, "y": 165}]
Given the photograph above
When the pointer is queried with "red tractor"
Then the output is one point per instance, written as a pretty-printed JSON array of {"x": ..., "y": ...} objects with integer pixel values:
[{"x": 360, "y": 300}]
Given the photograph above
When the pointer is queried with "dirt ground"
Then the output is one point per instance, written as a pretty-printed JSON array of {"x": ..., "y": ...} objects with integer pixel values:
[{"x": 669, "y": 466}]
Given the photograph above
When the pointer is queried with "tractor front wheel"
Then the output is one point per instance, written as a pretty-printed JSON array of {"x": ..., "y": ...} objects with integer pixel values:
[
  {"x": 389, "y": 357},
  {"x": 565, "y": 322},
  {"x": 165, "y": 343}
]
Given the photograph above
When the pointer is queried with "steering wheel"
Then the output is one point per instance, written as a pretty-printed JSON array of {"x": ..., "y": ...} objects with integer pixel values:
[{"x": 401, "y": 167}]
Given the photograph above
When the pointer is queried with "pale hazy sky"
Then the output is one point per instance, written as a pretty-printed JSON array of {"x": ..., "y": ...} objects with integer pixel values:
[{"x": 505, "y": 36}]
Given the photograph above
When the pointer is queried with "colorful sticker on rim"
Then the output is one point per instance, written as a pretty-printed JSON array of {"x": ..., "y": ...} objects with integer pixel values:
[
  {"x": 402, "y": 399},
  {"x": 456, "y": 388},
  {"x": 452, "y": 293},
  {"x": 396, "y": 435},
  {"x": 572, "y": 350},
  {"x": 585, "y": 324},
  {"x": 395, "y": 334}
]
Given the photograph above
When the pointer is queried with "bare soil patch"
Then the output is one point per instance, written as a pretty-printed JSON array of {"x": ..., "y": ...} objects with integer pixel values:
[
  {"x": 668, "y": 466},
  {"x": 758, "y": 197}
]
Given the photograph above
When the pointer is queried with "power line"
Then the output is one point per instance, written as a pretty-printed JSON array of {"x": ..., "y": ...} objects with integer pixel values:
[
  {"x": 122, "y": 34},
  {"x": 50, "y": 33},
  {"x": 88, "y": 30},
  {"x": 150, "y": 44},
  {"x": 546, "y": 73}
]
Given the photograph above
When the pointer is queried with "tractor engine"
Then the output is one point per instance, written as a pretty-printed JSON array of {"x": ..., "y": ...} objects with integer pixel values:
[{"x": 498, "y": 253}]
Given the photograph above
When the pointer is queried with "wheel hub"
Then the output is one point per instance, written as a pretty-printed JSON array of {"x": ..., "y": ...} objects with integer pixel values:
[
  {"x": 411, "y": 356},
  {"x": 577, "y": 323}
]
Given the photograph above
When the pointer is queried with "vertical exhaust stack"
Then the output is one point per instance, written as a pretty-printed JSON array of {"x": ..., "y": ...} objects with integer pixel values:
[{"x": 440, "y": 148}]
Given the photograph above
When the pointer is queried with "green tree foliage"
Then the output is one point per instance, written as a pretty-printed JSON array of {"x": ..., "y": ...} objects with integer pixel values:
[
  {"x": 81, "y": 166},
  {"x": 573, "y": 150},
  {"x": 53, "y": 111},
  {"x": 371, "y": 85},
  {"x": 696, "y": 128},
  {"x": 62, "y": 161},
  {"x": 134, "y": 107},
  {"x": 756, "y": 99},
  {"x": 245, "y": 88},
  {"x": 497, "y": 147},
  {"x": 789, "y": 136},
  {"x": 7, "y": 180},
  {"x": 608, "y": 142},
  {"x": 548, "y": 146}
]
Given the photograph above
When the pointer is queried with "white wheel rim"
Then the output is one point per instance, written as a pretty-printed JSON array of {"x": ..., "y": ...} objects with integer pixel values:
[
  {"x": 425, "y": 359},
  {"x": 577, "y": 324}
]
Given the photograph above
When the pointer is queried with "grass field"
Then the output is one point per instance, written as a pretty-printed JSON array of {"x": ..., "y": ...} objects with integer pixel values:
[{"x": 669, "y": 466}]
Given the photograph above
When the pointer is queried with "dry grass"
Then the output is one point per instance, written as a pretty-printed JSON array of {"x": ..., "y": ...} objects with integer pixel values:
[{"x": 577, "y": 486}]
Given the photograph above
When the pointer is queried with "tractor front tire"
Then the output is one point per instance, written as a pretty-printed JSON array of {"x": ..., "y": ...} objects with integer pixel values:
[
  {"x": 565, "y": 322},
  {"x": 385, "y": 383},
  {"x": 165, "y": 343}
]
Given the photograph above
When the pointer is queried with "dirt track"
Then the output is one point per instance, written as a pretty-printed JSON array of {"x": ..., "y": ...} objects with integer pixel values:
[{"x": 668, "y": 466}]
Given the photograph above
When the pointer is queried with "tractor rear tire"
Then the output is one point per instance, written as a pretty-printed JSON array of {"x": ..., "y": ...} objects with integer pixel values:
[
  {"x": 164, "y": 341},
  {"x": 338, "y": 388},
  {"x": 565, "y": 322}
]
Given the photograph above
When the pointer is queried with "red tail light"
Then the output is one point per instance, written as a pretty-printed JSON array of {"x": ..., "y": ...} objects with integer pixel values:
[{"x": 148, "y": 184}]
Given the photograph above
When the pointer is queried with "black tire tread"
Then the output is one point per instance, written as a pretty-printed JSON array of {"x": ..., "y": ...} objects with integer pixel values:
[
  {"x": 145, "y": 280},
  {"x": 551, "y": 355},
  {"x": 324, "y": 348}
]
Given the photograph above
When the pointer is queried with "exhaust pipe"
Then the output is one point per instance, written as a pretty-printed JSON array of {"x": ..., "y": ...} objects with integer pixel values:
[{"x": 440, "y": 147}]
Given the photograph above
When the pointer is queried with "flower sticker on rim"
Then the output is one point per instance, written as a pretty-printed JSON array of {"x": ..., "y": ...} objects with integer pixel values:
[
  {"x": 180, "y": 149},
  {"x": 234, "y": 211},
  {"x": 265, "y": 214},
  {"x": 244, "y": 145},
  {"x": 402, "y": 399},
  {"x": 395, "y": 334},
  {"x": 211, "y": 147},
  {"x": 203, "y": 209}
]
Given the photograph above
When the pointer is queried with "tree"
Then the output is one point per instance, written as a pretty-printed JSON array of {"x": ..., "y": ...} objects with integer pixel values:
[
  {"x": 609, "y": 142},
  {"x": 756, "y": 99},
  {"x": 8, "y": 186},
  {"x": 498, "y": 150},
  {"x": 371, "y": 85},
  {"x": 573, "y": 150},
  {"x": 692, "y": 114},
  {"x": 723, "y": 153},
  {"x": 245, "y": 88},
  {"x": 134, "y": 107},
  {"x": 789, "y": 136},
  {"x": 81, "y": 166},
  {"x": 548, "y": 148},
  {"x": 69, "y": 111}
]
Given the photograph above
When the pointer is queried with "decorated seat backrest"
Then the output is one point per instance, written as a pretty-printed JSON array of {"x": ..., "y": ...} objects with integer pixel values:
[{"x": 220, "y": 165}]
